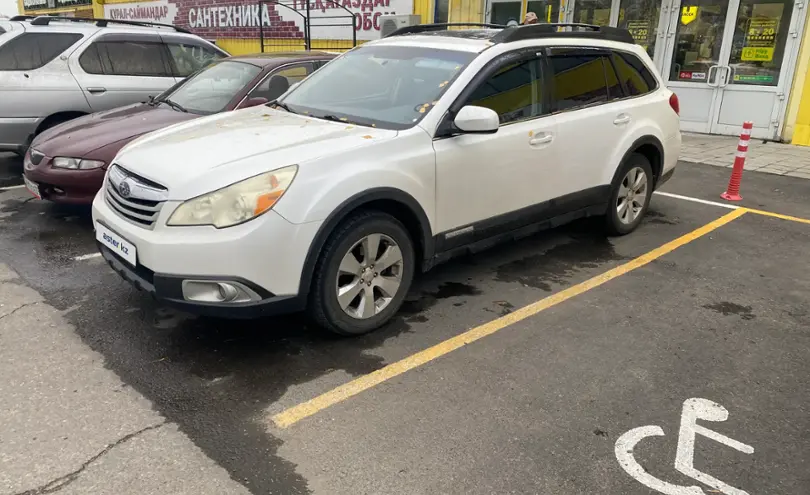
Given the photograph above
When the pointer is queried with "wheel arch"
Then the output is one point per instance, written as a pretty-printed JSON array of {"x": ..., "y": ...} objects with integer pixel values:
[
  {"x": 652, "y": 149},
  {"x": 58, "y": 117},
  {"x": 393, "y": 201}
]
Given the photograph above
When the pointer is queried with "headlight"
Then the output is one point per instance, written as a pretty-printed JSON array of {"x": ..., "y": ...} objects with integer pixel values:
[
  {"x": 236, "y": 203},
  {"x": 76, "y": 163}
]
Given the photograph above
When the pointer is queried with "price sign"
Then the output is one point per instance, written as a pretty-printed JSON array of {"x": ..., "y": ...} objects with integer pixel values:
[
  {"x": 761, "y": 32},
  {"x": 640, "y": 31}
]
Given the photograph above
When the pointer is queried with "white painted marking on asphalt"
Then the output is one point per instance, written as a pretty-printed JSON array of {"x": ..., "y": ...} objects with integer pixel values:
[
  {"x": 697, "y": 200},
  {"x": 86, "y": 257},
  {"x": 624, "y": 453},
  {"x": 7, "y": 188},
  {"x": 693, "y": 409}
]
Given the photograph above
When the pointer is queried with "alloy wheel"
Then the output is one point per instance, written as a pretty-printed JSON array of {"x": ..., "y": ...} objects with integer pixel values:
[
  {"x": 369, "y": 276},
  {"x": 632, "y": 195}
]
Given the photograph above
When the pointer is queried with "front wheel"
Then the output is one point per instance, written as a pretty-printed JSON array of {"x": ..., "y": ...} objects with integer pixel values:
[
  {"x": 363, "y": 274},
  {"x": 630, "y": 195}
]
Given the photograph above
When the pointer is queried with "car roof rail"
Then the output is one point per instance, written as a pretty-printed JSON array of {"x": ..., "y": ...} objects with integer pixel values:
[
  {"x": 423, "y": 28},
  {"x": 21, "y": 17},
  {"x": 562, "y": 30},
  {"x": 45, "y": 20}
]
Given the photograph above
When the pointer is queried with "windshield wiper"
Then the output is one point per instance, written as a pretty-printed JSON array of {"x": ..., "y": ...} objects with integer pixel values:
[
  {"x": 174, "y": 105},
  {"x": 280, "y": 105},
  {"x": 344, "y": 120}
]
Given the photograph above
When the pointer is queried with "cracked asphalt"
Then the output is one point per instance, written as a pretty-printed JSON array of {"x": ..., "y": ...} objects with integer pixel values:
[{"x": 103, "y": 391}]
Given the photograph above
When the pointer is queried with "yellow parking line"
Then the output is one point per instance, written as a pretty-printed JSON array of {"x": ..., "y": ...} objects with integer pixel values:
[
  {"x": 777, "y": 215},
  {"x": 295, "y": 414}
]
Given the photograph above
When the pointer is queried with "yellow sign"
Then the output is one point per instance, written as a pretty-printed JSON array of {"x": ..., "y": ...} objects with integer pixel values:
[
  {"x": 756, "y": 54},
  {"x": 761, "y": 32},
  {"x": 639, "y": 30},
  {"x": 760, "y": 39},
  {"x": 688, "y": 14}
]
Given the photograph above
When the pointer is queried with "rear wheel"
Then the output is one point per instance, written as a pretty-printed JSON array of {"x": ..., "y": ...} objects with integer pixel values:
[
  {"x": 630, "y": 195},
  {"x": 363, "y": 274}
]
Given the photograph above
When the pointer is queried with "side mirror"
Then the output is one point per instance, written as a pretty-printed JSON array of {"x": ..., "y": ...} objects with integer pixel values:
[
  {"x": 254, "y": 102},
  {"x": 477, "y": 120}
]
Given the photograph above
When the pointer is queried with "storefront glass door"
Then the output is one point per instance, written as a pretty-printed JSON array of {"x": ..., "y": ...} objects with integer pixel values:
[
  {"x": 505, "y": 12},
  {"x": 730, "y": 61},
  {"x": 640, "y": 17}
]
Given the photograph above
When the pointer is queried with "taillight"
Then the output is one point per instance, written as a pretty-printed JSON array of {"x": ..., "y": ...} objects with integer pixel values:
[{"x": 674, "y": 103}]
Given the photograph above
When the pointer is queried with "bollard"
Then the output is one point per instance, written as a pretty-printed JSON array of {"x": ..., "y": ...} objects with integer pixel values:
[{"x": 733, "y": 190}]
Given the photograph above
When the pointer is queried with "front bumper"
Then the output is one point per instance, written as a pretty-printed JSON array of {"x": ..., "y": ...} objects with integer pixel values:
[
  {"x": 62, "y": 185},
  {"x": 16, "y": 133},
  {"x": 168, "y": 290},
  {"x": 266, "y": 254}
]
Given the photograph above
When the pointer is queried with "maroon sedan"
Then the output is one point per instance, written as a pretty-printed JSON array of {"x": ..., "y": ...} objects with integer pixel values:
[{"x": 66, "y": 164}]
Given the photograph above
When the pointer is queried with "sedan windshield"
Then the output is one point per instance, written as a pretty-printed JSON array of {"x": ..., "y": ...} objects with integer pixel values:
[
  {"x": 391, "y": 87},
  {"x": 210, "y": 90}
]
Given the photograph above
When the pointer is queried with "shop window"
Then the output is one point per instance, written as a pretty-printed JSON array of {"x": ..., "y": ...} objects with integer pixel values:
[
  {"x": 133, "y": 58},
  {"x": 188, "y": 58},
  {"x": 514, "y": 92},
  {"x": 547, "y": 11},
  {"x": 280, "y": 81},
  {"x": 31, "y": 51},
  {"x": 442, "y": 12},
  {"x": 579, "y": 79},
  {"x": 636, "y": 78}
]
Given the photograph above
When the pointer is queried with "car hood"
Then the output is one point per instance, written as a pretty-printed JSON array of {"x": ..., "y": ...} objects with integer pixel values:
[
  {"x": 81, "y": 136},
  {"x": 184, "y": 152}
]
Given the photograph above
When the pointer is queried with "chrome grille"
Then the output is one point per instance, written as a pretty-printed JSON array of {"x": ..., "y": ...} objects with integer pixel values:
[{"x": 134, "y": 198}]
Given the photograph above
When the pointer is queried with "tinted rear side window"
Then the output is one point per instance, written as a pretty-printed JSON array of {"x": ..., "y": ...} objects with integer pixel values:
[
  {"x": 31, "y": 51},
  {"x": 91, "y": 61},
  {"x": 578, "y": 79},
  {"x": 635, "y": 76},
  {"x": 126, "y": 58}
]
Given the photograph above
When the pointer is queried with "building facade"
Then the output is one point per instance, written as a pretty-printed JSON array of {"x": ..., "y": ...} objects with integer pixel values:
[{"x": 728, "y": 60}]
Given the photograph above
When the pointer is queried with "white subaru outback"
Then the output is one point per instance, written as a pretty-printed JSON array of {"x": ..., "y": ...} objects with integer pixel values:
[{"x": 395, "y": 156}]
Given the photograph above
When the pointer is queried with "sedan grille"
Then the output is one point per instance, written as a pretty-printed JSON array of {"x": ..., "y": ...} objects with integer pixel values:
[{"x": 134, "y": 198}]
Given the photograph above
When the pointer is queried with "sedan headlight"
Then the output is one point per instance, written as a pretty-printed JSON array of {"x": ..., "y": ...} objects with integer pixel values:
[
  {"x": 76, "y": 163},
  {"x": 236, "y": 203}
]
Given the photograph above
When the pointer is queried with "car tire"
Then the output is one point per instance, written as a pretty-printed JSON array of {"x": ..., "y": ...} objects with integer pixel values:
[
  {"x": 632, "y": 186},
  {"x": 365, "y": 303}
]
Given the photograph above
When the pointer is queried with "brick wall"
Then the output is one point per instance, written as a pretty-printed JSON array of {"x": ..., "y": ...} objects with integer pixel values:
[{"x": 278, "y": 28}]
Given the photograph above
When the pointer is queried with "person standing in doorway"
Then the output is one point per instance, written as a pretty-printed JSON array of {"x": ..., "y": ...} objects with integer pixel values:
[{"x": 531, "y": 18}]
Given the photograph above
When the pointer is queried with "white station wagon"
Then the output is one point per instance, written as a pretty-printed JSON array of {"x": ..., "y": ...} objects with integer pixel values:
[{"x": 393, "y": 157}]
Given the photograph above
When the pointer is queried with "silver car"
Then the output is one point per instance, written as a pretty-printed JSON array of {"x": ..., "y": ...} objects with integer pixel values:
[{"x": 54, "y": 69}]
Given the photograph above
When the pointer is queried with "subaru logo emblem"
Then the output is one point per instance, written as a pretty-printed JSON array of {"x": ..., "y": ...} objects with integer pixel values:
[{"x": 124, "y": 189}]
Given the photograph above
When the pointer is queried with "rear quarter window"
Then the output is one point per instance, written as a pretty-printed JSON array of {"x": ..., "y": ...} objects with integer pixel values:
[
  {"x": 635, "y": 76},
  {"x": 31, "y": 51}
]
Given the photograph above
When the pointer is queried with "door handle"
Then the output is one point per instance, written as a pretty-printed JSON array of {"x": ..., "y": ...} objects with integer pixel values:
[
  {"x": 96, "y": 91},
  {"x": 541, "y": 139},
  {"x": 622, "y": 119},
  {"x": 712, "y": 75},
  {"x": 728, "y": 74}
]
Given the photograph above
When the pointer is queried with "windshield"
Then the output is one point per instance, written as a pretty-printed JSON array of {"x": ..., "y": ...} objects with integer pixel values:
[
  {"x": 392, "y": 87},
  {"x": 210, "y": 90}
]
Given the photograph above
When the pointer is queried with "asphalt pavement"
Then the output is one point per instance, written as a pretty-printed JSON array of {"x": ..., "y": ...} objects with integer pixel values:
[{"x": 106, "y": 392}]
